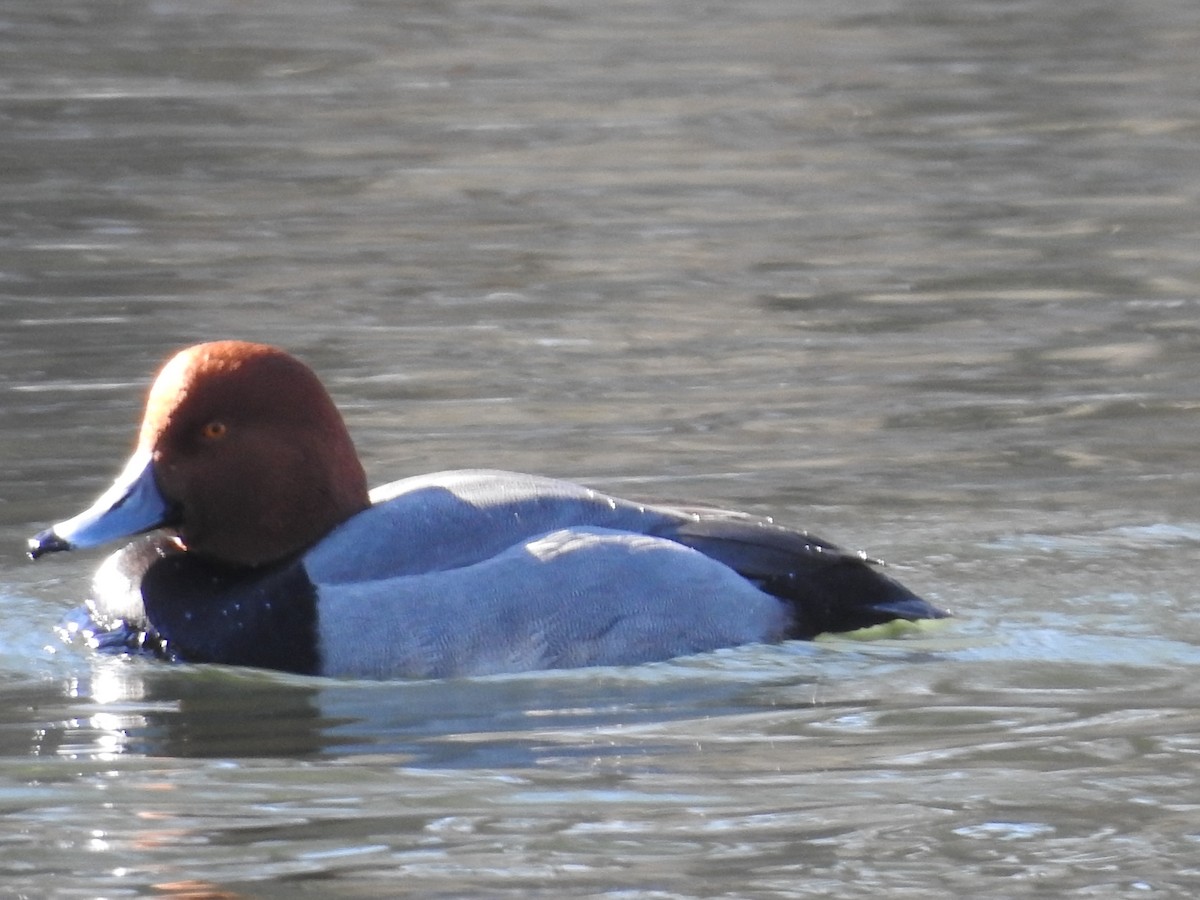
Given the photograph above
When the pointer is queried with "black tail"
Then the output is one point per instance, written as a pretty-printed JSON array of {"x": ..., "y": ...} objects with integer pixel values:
[{"x": 828, "y": 588}]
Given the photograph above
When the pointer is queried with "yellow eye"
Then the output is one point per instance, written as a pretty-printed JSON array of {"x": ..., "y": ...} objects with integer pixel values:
[{"x": 214, "y": 431}]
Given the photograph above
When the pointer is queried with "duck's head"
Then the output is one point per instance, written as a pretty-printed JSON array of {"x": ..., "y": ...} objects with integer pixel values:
[{"x": 241, "y": 453}]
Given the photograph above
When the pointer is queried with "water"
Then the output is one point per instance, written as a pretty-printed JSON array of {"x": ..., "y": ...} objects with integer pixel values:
[{"x": 919, "y": 276}]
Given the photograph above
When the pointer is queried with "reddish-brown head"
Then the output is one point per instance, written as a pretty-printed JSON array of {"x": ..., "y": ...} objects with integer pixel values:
[{"x": 248, "y": 446}]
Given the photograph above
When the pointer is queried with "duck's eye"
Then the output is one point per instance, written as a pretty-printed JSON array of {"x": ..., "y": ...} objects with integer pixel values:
[{"x": 213, "y": 431}]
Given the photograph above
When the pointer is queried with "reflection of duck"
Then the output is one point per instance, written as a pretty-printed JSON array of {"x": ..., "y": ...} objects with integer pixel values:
[{"x": 279, "y": 558}]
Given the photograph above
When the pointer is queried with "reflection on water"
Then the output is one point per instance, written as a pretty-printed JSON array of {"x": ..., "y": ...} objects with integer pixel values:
[
  {"x": 919, "y": 276},
  {"x": 865, "y": 765}
]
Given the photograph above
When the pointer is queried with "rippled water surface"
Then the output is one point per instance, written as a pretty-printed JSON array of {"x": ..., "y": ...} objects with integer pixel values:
[{"x": 920, "y": 276}]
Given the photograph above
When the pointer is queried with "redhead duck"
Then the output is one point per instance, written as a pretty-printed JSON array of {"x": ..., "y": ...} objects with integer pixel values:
[{"x": 257, "y": 543}]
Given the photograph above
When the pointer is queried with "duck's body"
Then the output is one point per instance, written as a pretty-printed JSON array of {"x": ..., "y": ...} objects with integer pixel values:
[{"x": 455, "y": 573}]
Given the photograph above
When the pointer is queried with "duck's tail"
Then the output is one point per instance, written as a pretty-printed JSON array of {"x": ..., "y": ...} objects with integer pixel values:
[{"x": 828, "y": 588}]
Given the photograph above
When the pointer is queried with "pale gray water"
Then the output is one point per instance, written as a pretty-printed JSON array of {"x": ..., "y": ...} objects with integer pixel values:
[{"x": 921, "y": 276}]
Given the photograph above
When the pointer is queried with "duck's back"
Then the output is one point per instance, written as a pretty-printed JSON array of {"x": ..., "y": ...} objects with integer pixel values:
[{"x": 448, "y": 520}]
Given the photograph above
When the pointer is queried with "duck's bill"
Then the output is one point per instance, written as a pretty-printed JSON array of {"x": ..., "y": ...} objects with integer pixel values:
[{"x": 131, "y": 506}]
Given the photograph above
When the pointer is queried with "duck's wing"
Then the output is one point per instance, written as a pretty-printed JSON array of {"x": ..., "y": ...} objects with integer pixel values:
[{"x": 450, "y": 520}]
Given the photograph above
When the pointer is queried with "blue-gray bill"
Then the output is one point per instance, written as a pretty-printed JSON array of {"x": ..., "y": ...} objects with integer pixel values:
[{"x": 132, "y": 505}]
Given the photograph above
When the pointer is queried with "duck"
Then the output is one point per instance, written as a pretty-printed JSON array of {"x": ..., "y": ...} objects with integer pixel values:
[{"x": 253, "y": 540}]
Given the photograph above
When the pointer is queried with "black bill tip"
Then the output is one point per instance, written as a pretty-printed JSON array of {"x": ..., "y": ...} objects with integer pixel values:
[{"x": 45, "y": 542}]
